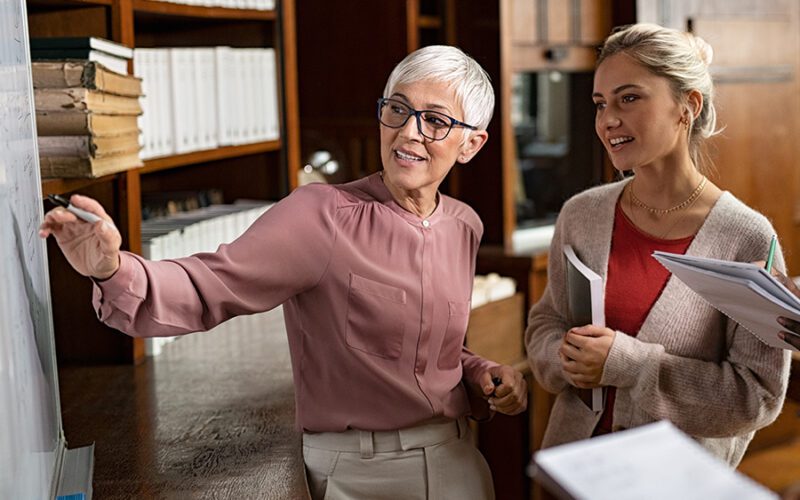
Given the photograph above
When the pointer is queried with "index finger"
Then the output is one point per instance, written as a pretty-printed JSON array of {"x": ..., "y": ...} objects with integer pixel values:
[{"x": 90, "y": 205}]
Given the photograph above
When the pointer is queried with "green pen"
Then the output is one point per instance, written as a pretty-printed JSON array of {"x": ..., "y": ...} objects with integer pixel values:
[{"x": 771, "y": 255}]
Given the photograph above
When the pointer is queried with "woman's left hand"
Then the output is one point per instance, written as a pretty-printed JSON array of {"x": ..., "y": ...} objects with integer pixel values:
[
  {"x": 583, "y": 354},
  {"x": 511, "y": 396}
]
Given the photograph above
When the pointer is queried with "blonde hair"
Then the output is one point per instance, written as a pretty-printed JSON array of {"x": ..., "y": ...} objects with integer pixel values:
[
  {"x": 683, "y": 59},
  {"x": 450, "y": 65}
]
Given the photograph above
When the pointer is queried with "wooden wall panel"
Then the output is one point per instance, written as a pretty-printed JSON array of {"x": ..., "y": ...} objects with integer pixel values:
[
  {"x": 559, "y": 21},
  {"x": 524, "y": 22},
  {"x": 595, "y": 21}
]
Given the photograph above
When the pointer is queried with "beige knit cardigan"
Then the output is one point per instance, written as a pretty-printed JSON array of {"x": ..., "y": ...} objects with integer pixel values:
[{"x": 689, "y": 363}]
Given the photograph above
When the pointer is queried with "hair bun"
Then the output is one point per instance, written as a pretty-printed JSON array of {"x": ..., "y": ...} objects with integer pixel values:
[{"x": 703, "y": 48}]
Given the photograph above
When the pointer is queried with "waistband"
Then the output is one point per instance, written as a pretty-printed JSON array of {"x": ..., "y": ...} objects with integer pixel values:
[{"x": 367, "y": 443}]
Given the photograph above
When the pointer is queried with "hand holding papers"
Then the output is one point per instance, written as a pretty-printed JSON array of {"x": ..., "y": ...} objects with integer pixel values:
[
  {"x": 746, "y": 293},
  {"x": 655, "y": 461}
]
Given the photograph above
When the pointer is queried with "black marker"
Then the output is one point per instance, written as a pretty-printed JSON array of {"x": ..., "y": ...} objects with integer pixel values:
[
  {"x": 496, "y": 381},
  {"x": 82, "y": 214}
]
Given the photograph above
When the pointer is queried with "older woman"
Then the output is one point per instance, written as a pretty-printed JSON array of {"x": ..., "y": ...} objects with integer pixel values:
[
  {"x": 375, "y": 277},
  {"x": 665, "y": 353}
]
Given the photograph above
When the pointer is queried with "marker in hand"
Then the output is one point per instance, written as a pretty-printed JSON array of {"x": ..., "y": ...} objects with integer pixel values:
[
  {"x": 80, "y": 213},
  {"x": 496, "y": 381}
]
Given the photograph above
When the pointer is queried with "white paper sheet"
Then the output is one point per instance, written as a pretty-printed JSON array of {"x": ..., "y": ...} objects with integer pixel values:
[
  {"x": 654, "y": 462},
  {"x": 744, "y": 292}
]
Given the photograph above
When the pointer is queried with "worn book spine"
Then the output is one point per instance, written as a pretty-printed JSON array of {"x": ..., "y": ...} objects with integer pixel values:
[
  {"x": 84, "y": 99},
  {"x": 86, "y": 74},
  {"x": 88, "y": 146},
  {"x": 78, "y": 122},
  {"x": 87, "y": 167}
]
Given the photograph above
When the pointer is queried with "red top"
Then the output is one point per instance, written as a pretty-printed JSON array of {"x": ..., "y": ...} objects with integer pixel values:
[{"x": 633, "y": 284}]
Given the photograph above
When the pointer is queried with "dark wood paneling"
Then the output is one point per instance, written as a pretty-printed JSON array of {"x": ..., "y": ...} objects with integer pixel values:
[
  {"x": 479, "y": 183},
  {"x": 80, "y": 337},
  {"x": 83, "y": 21},
  {"x": 164, "y": 31},
  {"x": 244, "y": 177},
  {"x": 345, "y": 52}
]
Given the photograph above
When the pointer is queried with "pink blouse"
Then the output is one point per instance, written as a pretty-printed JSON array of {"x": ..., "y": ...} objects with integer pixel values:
[{"x": 376, "y": 301}]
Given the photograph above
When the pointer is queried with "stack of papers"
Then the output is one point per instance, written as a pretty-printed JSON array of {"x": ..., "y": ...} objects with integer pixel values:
[
  {"x": 655, "y": 461},
  {"x": 744, "y": 292}
]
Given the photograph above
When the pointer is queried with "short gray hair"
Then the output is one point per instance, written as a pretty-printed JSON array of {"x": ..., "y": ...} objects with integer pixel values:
[
  {"x": 683, "y": 59},
  {"x": 450, "y": 65}
]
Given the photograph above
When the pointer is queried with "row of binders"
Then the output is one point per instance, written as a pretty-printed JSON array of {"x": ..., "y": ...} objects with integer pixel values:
[
  {"x": 201, "y": 98},
  {"x": 230, "y": 4},
  {"x": 196, "y": 231}
]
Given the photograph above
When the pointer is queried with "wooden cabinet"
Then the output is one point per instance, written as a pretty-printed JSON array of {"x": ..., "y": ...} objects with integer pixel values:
[
  {"x": 556, "y": 33},
  {"x": 264, "y": 170},
  {"x": 495, "y": 330}
]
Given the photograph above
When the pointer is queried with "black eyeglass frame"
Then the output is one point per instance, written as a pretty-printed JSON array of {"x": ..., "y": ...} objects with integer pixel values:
[{"x": 417, "y": 113}]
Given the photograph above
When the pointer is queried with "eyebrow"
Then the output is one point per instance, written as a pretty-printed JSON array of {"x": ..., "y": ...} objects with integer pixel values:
[
  {"x": 428, "y": 106},
  {"x": 619, "y": 89}
]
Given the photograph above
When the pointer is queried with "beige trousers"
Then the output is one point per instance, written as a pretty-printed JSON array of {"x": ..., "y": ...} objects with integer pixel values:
[{"x": 435, "y": 461}]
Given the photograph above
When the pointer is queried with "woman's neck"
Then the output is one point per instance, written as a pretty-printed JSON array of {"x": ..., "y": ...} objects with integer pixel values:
[
  {"x": 664, "y": 186},
  {"x": 418, "y": 202}
]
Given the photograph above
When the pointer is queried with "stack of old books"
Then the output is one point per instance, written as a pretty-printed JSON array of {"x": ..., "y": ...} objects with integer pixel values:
[{"x": 86, "y": 118}]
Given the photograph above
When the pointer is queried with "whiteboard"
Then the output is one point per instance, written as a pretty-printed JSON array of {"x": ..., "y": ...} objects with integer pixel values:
[{"x": 31, "y": 440}]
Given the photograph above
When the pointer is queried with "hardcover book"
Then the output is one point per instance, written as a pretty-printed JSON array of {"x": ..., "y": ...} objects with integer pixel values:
[
  {"x": 66, "y": 166},
  {"x": 85, "y": 100},
  {"x": 81, "y": 43},
  {"x": 80, "y": 122},
  {"x": 86, "y": 74},
  {"x": 586, "y": 306},
  {"x": 88, "y": 146}
]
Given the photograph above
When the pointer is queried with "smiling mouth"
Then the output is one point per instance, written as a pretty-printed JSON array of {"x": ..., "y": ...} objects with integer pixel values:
[
  {"x": 408, "y": 157},
  {"x": 619, "y": 141}
]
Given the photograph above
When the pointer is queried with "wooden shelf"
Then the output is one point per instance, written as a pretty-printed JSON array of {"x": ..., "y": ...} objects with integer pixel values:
[
  {"x": 181, "y": 10},
  {"x": 168, "y": 162},
  {"x": 62, "y": 3},
  {"x": 61, "y": 186},
  {"x": 262, "y": 170}
]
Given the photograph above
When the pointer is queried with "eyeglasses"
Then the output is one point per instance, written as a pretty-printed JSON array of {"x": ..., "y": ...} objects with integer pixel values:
[{"x": 431, "y": 124}]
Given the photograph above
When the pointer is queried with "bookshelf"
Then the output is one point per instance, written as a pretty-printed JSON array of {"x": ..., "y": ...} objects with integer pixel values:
[{"x": 261, "y": 170}]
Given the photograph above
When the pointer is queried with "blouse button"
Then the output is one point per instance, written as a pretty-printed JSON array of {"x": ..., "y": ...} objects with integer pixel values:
[{"x": 426, "y": 223}]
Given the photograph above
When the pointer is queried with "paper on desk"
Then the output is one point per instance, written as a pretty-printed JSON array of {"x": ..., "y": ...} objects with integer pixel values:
[
  {"x": 655, "y": 461},
  {"x": 753, "y": 299}
]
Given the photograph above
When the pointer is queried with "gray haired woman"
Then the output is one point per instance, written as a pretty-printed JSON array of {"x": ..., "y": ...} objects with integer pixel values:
[{"x": 375, "y": 277}]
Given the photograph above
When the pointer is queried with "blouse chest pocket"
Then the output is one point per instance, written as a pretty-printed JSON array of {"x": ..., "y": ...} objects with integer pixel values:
[
  {"x": 453, "y": 341},
  {"x": 375, "y": 317}
]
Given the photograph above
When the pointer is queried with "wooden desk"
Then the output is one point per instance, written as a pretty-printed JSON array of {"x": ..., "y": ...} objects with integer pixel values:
[{"x": 211, "y": 417}]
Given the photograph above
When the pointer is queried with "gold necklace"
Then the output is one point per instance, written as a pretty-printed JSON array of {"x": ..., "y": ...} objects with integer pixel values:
[
  {"x": 661, "y": 236},
  {"x": 664, "y": 211}
]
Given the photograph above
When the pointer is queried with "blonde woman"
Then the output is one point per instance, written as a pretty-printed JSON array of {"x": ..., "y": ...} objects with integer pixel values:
[{"x": 665, "y": 354}]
